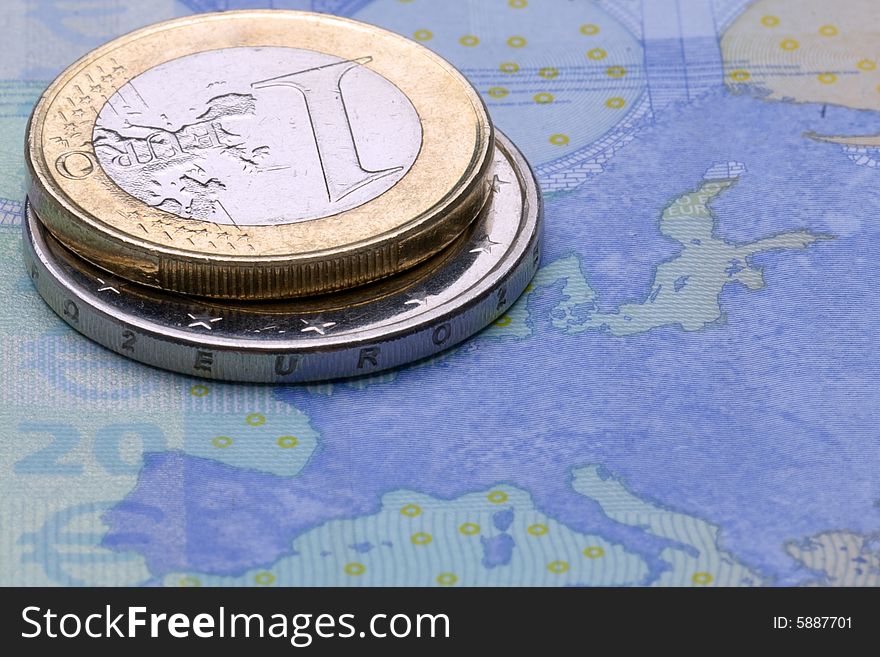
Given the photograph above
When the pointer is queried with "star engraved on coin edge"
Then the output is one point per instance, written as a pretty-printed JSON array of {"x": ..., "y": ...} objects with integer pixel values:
[
  {"x": 484, "y": 245},
  {"x": 316, "y": 324},
  {"x": 202, "y": 320},
  {"x": 108, "y": 285},
  {"x": 419, "y": 301},
  {"x": 496, "y": 183}
]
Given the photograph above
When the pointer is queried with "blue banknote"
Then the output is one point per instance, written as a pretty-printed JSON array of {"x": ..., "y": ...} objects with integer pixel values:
[{"x": 688, "y": 394}]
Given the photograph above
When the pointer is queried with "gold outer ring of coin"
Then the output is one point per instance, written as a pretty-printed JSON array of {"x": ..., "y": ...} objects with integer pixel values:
[{"x": 423, "y": 212}]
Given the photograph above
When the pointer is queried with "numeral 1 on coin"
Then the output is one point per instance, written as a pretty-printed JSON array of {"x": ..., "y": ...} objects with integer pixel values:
[{"x": 334, "y": 139}]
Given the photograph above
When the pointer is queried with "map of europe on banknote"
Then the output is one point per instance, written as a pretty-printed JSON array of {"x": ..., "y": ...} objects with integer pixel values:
[{"x": 686, "y": 395}]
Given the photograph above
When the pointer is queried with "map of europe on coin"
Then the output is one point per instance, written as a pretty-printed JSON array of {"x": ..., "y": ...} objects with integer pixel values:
[{"x": 686, "y": 395}]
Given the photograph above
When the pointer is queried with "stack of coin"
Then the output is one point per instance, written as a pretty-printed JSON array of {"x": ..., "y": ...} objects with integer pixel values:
[{"x": 274, "y": 196}]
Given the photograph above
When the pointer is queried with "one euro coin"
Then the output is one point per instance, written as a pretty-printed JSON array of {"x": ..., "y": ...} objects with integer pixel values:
[{"x": 258, "y": 155}]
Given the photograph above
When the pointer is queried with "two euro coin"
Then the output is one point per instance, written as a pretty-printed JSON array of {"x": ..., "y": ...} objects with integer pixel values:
[{"x": 403, "y": 318}]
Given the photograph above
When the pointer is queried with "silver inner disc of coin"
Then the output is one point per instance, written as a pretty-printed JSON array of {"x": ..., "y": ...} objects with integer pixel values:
[{"x": 257, "y": 136}]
